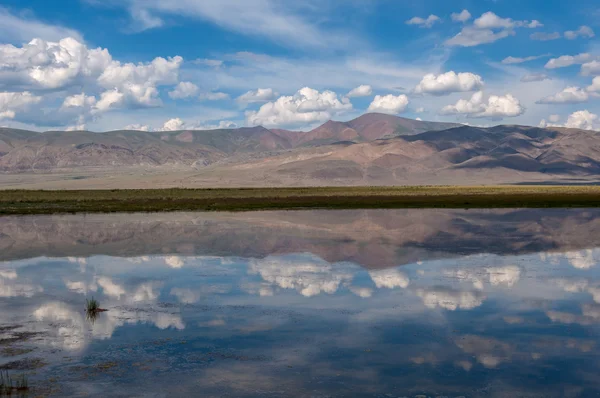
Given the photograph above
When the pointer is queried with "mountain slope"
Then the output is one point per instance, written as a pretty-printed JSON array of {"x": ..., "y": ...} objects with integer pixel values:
[{"x": 373, "y": 149}]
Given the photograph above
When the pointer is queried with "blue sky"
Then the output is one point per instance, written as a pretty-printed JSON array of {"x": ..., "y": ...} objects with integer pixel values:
[{"x": 172, "y": 64}]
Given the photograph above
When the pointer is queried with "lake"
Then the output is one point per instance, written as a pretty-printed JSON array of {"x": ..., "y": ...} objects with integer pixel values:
[{"x": 323, "y": 303}]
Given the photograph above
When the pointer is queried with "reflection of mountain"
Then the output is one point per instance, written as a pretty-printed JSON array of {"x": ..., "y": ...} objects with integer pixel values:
[{"x": 371, "y": 238}]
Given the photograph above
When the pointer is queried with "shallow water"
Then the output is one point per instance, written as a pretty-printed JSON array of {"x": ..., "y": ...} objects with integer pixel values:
[{"x": 378, "y": 303}]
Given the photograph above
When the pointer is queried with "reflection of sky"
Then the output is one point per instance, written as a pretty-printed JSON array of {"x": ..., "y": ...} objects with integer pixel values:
[{"x": 435, "y": 326}]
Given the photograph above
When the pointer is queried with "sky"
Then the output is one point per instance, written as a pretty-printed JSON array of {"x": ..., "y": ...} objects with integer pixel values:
[{"x": 154, "y": 65}]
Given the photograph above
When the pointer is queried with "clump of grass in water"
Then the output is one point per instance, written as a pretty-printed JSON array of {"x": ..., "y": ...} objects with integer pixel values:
[
  {"x": 92, "y": 305},
  {"x": 8, "y": 386},
  {"x": 92, "y": 309}
]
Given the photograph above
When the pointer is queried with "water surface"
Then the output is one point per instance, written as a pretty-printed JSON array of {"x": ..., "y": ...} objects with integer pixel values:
[{"x": 376, "y": 303}]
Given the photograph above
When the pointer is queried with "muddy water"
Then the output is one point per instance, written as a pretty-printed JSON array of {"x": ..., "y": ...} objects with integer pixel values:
[{"x": 379, "y": 303}]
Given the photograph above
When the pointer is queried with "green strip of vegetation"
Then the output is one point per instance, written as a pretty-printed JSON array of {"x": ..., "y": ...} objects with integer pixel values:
[{"x": 241, "y": 199}]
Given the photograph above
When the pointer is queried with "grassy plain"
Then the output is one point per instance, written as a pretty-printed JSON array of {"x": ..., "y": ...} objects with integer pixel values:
[{"x": 240, "y": 199}]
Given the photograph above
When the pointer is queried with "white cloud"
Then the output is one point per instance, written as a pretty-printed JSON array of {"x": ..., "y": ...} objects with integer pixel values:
[
  {"x": 258, "y": 95},
  {"x": 184, "y": 90},
  {"x": 568, "y": 60},
  {"x": 535, "y": 77},
  {"x": 584, "y": 120},
  {"x": 450, "y": 299},
  {"x": 543, "y": 36},
  {"x": 363, "y": 292},
  {"x": 213, "y": 96},
  {"x": 517, "y": 60},
  {"x": 489, "y": 20},
  {"x": 583, "y": 31},
  {"x": 110, "y": 288},
  {"x": 109, "y": 99},
  {"x": 137, "y": 127},
  {"x": 494, "y": 107},
  {"x": 570, "y": 95},
  {"x": 79, "y": 101},
  {"x": 420, "y": 110},
  {"x": 363, "y": 90},
  {"x": 449, "y": 82},
  {"x": 11, "y": 103},
  {"x": 470, "y": 36},
  {"x": 590, "y": 68},
  {"x": 391, "y": 104},
  {"x": 174, "y": 261},
  {"x": 307, "y": 274},
  {"x": 462, "y": 16},
  {"x": 138, "y": 82},
  {"x": 424, "y": 23},
  {"x": 43, "y": 64},
  {"x": 185, "y": 296},
  {"x": 389, "y": 278},
  {"x": 595, "y": 86},
  {"x": 15, "y": 29},
  {"x": 306, "y": 106},
  {"x": 587, "y": 121}
]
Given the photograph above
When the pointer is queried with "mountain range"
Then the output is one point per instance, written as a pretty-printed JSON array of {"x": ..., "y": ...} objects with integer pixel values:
[{"x": 373, "y": 149}]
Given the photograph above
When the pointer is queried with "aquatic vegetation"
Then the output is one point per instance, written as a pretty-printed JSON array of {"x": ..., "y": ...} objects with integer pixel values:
[
  {"x": 8, "y": 385},
  {"x": 92, "y": 305},
  {"x": 92, "y": 309}
]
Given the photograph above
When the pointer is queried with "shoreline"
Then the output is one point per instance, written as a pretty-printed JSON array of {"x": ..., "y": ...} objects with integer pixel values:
[{"x": 22, "y": 202}]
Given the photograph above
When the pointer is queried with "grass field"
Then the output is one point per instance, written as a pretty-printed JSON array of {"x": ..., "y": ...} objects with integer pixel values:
[{"x": 152, "y": 200}]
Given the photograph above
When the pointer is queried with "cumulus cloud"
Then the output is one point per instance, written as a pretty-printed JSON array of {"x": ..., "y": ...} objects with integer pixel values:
[
  {"x": 450, "y": 299},
  {"x": 489, "y": 20},
  {"x": 307, "y": 274},
  {"x": 495, "y": 106},
  {"x": 584, "y": 120},
  {"x": 363, "y": 90},
  {"x": 535, "y": 77},
  {"x": 449, "y": 82},
  {"x": 590, "y": 68},
  {"x": 43, "y": 64},
  {"x": 306, "y": 106},
  {"x": 583, "y": 31},
  {"x": 363, "y": 292},
  {"x": 138, "y": 82},
  {"x": 390, "y": 278},
  {"x": 11, "y": 103},
  {"x": 110, "y": 288},
  {"x": 462, "y": 16},
  {"x": 544, "y": 36},
  {"x": 496, "y": 276},
  {"x": 258, "y": 95},
  {"x": 570, "y": 95},
  {"x": 568, "y": 60},
  {"x": 390, "y": 104},
  {"x": 184, "y": 90},
  {"x": 137, "y": 127},
  {"x": 517, "y": 60},
  {"x": 488, "y": 28},
  {"x": 595, "y": 86},
  {"x": 185, "y": 296},
  {"x": 424, "y": 22}
]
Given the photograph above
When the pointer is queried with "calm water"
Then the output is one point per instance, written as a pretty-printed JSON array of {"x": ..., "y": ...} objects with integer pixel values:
[{"x": 377, "y": 303}]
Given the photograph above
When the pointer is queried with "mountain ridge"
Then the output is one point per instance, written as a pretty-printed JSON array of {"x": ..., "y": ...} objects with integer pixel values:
[{"x": 373, "y": 149}]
